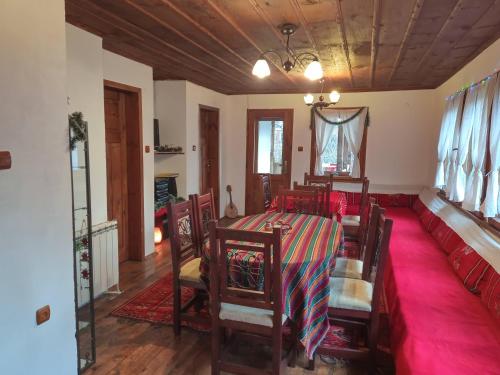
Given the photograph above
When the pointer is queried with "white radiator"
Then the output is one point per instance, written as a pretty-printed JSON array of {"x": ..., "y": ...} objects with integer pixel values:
[{"x": 105, "y": 262}]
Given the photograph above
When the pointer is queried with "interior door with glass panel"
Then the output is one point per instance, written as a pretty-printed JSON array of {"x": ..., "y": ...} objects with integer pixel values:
[{"x": 269, "y": 151}]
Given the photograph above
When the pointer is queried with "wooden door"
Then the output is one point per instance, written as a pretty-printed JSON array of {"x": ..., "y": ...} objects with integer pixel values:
[
  {"x": 116, "y": 164},
  {"x": 269, "y": 151},
  {"x": 209, "y": 151}
]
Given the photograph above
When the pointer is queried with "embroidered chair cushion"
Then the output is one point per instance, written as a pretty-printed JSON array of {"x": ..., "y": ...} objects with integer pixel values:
[
  {"x": 349, "y": 268},
  {"x": 191, "y": 270},
  {"x": 351, "y": 220},
  {"x": 350, "y": 294},
  {"x": 245, "y": 314}
]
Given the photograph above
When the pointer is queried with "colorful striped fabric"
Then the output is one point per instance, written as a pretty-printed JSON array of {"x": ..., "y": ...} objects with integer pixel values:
[{"x": 308, "y": 252}]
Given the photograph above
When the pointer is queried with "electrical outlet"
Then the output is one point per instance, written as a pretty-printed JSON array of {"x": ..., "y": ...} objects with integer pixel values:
[
  {"x": 42, "y": 315},
  {"x": 194, "y": 148},
  {"x": 300, "y": 148}
]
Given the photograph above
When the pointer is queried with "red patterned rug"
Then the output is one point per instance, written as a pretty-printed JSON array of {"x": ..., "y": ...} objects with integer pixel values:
[{"x": 154, "y": 304}]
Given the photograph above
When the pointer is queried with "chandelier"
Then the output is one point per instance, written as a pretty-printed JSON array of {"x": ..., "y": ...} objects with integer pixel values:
[
  {"x": 313, "y": 71},
  {"x": 334, "y": 98}
]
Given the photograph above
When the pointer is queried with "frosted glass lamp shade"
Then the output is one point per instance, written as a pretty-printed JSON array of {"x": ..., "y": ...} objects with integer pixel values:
[
  {"x": 308, "y": 99},
  {"x": 261, "y": 69},
  {"x": 334, "y": 97},
  {"x": 314, "y": 71}
]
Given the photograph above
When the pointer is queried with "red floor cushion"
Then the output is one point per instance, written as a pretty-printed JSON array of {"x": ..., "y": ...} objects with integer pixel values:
[
  {"x": 447, "y": 239},
  {"x": 429, "y": 219},
  {"x": 490, "y": 292},
  {"x": 469, "y": 266},
  {"x": 437, "y": 326}
]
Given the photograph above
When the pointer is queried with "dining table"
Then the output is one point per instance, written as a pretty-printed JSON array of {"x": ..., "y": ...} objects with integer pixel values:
[{"x": 308, "y": 251}]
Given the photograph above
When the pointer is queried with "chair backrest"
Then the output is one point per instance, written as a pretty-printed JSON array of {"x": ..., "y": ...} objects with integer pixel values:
[
  {"x": 384, "y": 229},
  {"x": 266, "y": 190},
  {"x": 204, "y": 212},
  {"x": 369, "y": 239},
  {"x": 225, "y": 243},
  {"x": 298, "y": 201},
  {"x": 183, "y": 233},
  {"x": 318, "y": 180},
  {"x": 364, "y": 222},
  {"x": 364, "y": 196},
  {"x": 323, "y": 196}
]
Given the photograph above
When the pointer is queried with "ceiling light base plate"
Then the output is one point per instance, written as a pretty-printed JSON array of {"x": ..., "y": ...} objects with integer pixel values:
[{"x": 288, "y": 28}]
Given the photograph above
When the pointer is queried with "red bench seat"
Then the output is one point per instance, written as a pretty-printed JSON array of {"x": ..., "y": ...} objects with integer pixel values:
[{"x": 437, "y": 325}]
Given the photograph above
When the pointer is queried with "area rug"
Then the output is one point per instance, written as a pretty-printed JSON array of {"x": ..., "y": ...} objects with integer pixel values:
[{"x": 154, "y": 304}]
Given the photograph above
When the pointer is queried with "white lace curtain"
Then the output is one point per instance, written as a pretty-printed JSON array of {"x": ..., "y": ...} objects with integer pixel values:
[
  {"x": 451, "y": 118},
  {"x": 353, "y": 131},
  {"x": 491, "y": 206},
  {"x": 478, "y": 145}
]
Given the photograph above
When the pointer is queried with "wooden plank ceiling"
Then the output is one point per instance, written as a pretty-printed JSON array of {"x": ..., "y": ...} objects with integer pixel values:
[{"x": 363, "y": 45}]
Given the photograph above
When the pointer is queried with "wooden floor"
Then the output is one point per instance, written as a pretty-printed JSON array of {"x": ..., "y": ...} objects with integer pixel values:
[{"x": 125, "y": 346}]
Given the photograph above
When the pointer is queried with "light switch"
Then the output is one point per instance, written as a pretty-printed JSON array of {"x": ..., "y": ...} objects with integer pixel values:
[
  {"x": 5, "y": 160},
  {"x": 300, "y": 148},
  {"x": 194, "y": 148},
  {"x": 42, "y": 315},
  {"x": 147, "y": 149}
]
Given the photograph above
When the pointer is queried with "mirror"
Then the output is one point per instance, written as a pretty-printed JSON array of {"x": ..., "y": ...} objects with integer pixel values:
[{"x": 82, "y": 241}]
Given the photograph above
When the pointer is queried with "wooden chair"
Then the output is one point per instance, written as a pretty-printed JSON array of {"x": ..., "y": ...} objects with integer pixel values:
[
  {"x": 252, "y": 310},
  {"x": 318, "y": 180},
  {"x": 185, "y": 260},
  {"x": 356, "y": 303},
  {"x": 298, "y": 201},
  {"x": 266, "y": 191},
  {"x": 323, "y": 196},
  {"x": 204, "y": 212},
  {"x": 360, "y": 268},
  {"x": 351, "y": 223}
]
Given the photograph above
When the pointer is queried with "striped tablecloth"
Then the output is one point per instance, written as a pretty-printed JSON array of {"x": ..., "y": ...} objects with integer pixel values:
[{"x": 308, "y": 252}]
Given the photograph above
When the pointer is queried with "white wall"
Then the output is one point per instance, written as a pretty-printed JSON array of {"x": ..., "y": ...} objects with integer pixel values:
[
  {"x": 35, "y": 195},
  {"x": 170, "y": 110},
  {"x": 86, "y": 95},
  {"x": 88, "y": 65}
]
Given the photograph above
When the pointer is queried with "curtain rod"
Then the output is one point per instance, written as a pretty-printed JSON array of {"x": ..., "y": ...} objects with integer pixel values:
[{"x": 466, "y": 87}]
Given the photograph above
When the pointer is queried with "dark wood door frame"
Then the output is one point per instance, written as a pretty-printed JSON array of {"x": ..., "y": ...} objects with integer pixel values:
[
  {"x": 216, "y": 189},
  {"x": 135, "y": 166}
]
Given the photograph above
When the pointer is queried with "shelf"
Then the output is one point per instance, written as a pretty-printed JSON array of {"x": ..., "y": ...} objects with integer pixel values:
[
  {"x": 166, "y": 175},
  {"x": 168, "y": 153}
]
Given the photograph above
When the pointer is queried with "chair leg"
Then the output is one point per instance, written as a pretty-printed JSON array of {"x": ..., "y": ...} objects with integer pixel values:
[
  {"x": 216, "y": 343},
  {"x": 277, "y": 350},
  {"x": 198, "y": 303},
  {"x": 292, "y": 362},
  {"x": 177, "y": 309},
  {"x": 310, "y": 365}
]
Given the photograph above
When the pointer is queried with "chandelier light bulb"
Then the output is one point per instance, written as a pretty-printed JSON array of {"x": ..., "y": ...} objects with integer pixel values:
[
  {"x": 314, "y": 71},
  {"x": 261, "y": 69},
  {"x": 309, "y": 99},
  {"x": 334, "y": 97}
]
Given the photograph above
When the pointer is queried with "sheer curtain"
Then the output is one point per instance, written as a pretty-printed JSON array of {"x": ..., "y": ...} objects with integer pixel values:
[
  {"x": 324, "y": 131},
  {"x": 491, "y": 206},
  {"x": 474, "y": 185},
  {"x": 452, "y": 115},
  {"x": 459, "y": 179},
  {"x": 353, "y": 131}
]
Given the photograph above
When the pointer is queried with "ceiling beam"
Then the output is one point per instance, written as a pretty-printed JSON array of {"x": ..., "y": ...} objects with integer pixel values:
[
  {"x": 345, "y": 45},
  {"x": 114, "y": 21},
  {"x": 449, "y": 19},
  {"x": 147, "y": 36},
  {"x": 165, "y": 24},
  {"x": 235, "y": 26},
  {"x": 377, "y": 5},
  {"x": 415, "y": 13}
]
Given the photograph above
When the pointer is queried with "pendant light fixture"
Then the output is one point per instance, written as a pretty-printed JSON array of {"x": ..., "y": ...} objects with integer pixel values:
[
  {"x": 313, "y": 70},
  {"x": 334, "y": 97}
]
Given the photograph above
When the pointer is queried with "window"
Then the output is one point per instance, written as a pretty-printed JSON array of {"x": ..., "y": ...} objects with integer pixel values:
[
  {"x": 468, "y": 149},
  {"x": 269, "y": 146},
  {"x": 339, "y": 149}
]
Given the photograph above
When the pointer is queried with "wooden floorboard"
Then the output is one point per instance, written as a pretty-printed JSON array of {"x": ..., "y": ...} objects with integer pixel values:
[{"x": 125, "y": 346}]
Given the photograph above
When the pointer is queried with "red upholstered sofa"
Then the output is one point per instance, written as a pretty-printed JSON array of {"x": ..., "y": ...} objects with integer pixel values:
[{"x": 443, "y": 296}]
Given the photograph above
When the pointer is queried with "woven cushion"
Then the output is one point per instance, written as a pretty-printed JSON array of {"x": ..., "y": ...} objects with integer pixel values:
[
  {"x": 191, "y": 270},
  {"x": 469, "y": 266},
  {"x": 351, "y": 220},
  {"x": 350, "y": 294},
  {"x": 418, "y": 207},
  {"x": 350, "y": 268},
  {"x": 490, "y": 292},
  {"x": 245, "y": 314},
  {"x": 448, "y": 239},
  {"x": 429, "y": 219}
]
